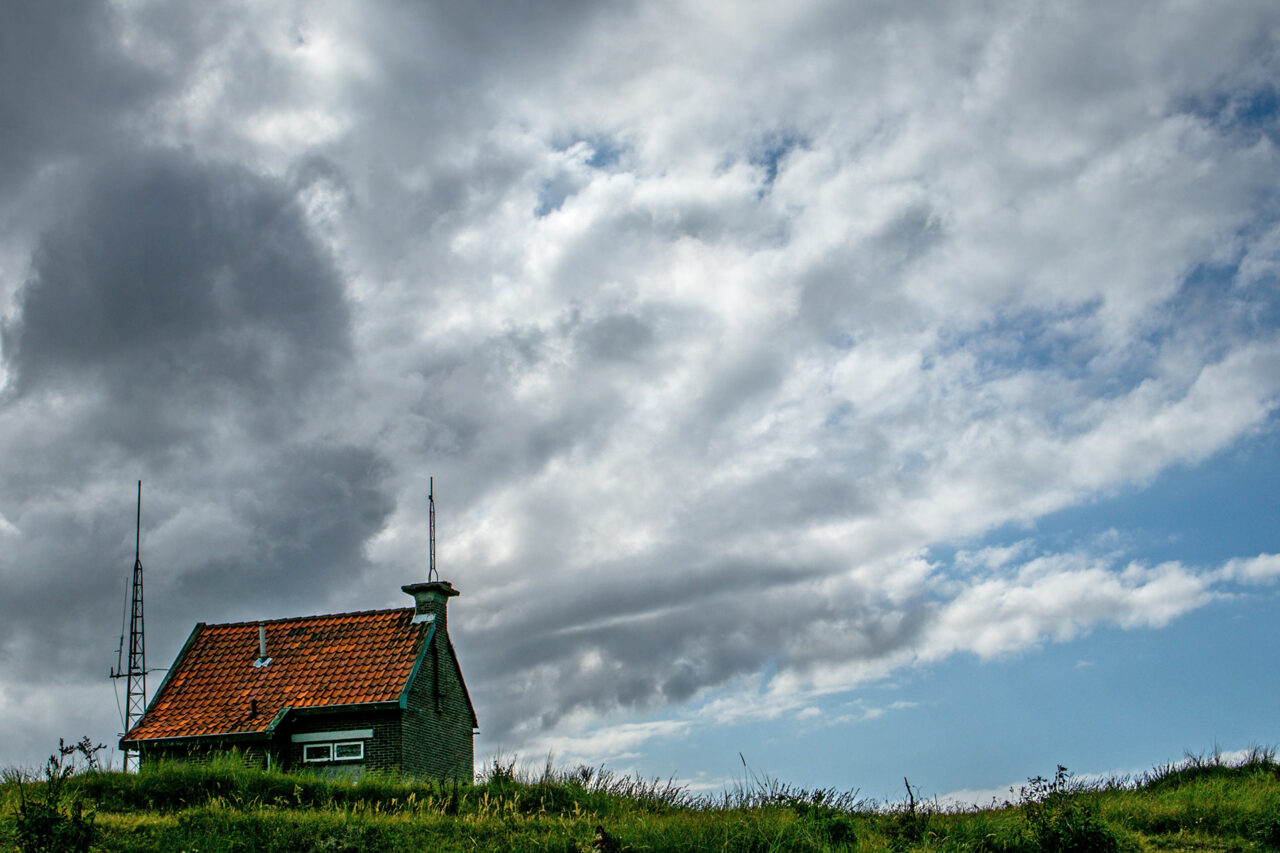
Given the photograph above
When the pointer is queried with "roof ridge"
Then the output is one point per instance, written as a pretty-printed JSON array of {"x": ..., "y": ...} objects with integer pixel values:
[{"x": 314, "y": 616}]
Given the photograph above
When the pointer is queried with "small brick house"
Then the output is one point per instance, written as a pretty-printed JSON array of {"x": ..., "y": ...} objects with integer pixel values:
[{"x": 340, "y": 694}]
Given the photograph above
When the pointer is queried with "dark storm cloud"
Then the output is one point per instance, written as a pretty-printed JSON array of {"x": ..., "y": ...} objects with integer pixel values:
[
  {"x": 305, "y": 518},
  {"x": 311, "y": 512},
  {"x": 470, "y": 409},
  {"x": 67, "y": 87},
  {"x": 176, "y": 287},
  {"x": 441, "y": 69},
  {"x": 219, "y": 543},
  {"x": 50, "y": 617},
  {"x": 182, "y": 319},
  {"x": 700, "y": 625}
]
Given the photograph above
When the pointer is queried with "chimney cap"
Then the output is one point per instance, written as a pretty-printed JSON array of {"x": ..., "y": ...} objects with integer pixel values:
[{"x": 442, "y": 588}]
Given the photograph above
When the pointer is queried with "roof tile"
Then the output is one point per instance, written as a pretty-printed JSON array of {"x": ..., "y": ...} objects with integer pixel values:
[{"x": 316, "y": 661}]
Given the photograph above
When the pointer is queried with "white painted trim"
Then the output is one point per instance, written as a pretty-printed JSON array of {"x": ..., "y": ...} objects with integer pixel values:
[
  {"x": 328, "y": 756},
  {"x": 348, "y": 734}
]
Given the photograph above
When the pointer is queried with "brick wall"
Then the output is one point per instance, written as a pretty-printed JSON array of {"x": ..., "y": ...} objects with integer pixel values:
[
  {"x": 437, "y": 739},
  {"x": 201, "y": 752},
  {"x": 381, "y": 752}
]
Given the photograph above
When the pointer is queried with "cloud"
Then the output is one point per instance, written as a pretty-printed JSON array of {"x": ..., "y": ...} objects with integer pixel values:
[
  {"x": 172, "y": 283},
  {"x": 713, "y": 329},
  {"x": 1253, "y": 570},
  {"x": 71, "y": 87},
  {"x": 1058, "y": 598},
  {"x": 613, "y": 744},
  {"x": 1006, "y": 611},
  {"x": 180, "y": 324}
]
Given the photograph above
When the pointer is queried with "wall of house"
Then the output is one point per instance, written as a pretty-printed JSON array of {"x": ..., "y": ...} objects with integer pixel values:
[
  {"x": 437, "y": 735},
  {"x": 382, "y": 752},
  {"x": 253, "y": 755}
]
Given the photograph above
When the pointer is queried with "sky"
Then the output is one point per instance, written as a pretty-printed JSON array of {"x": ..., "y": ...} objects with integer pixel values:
[{"x": 827, "y": 391}]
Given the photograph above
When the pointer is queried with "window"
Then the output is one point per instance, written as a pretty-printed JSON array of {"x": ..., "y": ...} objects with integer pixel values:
[{"x": 350, "y": 751}]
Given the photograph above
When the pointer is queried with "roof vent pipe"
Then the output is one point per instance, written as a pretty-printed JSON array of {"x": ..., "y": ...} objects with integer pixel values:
[{"x": 262, "y": 660}]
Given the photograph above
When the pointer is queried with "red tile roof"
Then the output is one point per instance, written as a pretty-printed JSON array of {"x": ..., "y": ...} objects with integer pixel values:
[{"x": 316, "y": 661}]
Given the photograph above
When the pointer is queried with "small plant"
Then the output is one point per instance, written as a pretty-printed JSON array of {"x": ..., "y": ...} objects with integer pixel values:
[
  {"x": 832, "y": 825},
  {"x": 821, "y": 809},
  {"x": 45, "y": 822},
  {"x": 908, "y": 823},
  {"x": 1060, "y": 820},
  {"x": 1267, "y": 833}
]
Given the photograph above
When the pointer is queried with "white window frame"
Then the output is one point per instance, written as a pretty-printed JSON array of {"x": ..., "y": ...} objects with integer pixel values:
[
  {"x": 359, "y": 744},
  {"x": 317, "y": 747}
]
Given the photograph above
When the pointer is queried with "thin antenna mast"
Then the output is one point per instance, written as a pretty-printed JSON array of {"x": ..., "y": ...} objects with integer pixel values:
[
  {"x": 432, "y": 575},
  {"x": 136, "y": 675}
]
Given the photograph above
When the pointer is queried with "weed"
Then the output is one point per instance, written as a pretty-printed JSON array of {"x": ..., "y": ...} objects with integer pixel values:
[
  {"x": 52, "y": 818},
  {"x": 1061, "y": 820},
  {"x": 908, "y": 823},
  {"x": 1195, "y": 767}
]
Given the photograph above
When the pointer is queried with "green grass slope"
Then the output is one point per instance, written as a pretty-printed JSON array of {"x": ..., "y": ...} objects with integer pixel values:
[{"x": 1200, "y": 805}]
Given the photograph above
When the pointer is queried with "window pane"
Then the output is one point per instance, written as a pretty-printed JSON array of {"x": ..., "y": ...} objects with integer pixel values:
[
  {"x": 354, "y": 749},
  {"x": 317, "y": 752}
]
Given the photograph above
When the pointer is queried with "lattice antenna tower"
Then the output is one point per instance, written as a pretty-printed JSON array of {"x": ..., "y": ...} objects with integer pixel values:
[
  {"x": 136, "y": 674},
  {"x": 432, "y": 575}
]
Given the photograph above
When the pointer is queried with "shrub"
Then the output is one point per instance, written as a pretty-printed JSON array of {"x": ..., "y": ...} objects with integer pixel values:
[
  {"x": 908, "y": 823},
  {"x": 1060, "y": 820},
  {"x": 1267, "y": 833},
  {"x": 54, "y": 819}
]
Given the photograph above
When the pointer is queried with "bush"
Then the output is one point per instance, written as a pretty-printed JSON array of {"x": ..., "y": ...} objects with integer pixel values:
[
  {"x": 1060, "y": 820},
  {"x": 908, "y": 823},
  {"x": 53, "y": 820}
]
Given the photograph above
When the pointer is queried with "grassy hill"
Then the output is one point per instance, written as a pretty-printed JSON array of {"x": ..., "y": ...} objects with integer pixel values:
[{"x": 1201, "y": 805}]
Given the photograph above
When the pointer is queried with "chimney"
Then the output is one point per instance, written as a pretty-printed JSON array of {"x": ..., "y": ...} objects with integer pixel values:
[{"x": 429, "y": 602}]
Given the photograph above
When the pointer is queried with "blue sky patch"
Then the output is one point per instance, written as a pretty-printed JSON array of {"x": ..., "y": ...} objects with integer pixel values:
[
  {"x": 768, "y": 152},
  {"x": 1015, "y": 341},
  {"x": 1251, "y": 111}
]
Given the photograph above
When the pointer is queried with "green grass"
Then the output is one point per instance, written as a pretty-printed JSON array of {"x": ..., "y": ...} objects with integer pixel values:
[{"x": 1199, "y": 805}]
